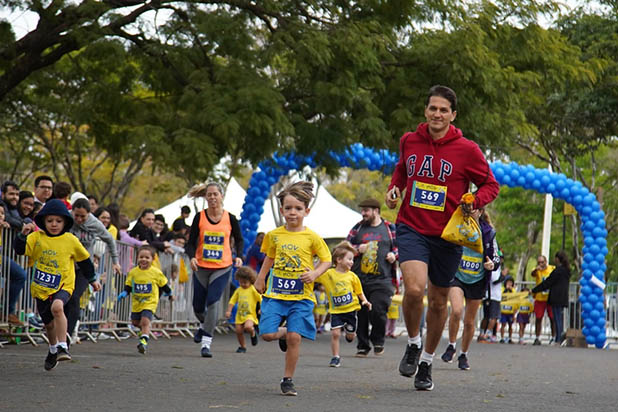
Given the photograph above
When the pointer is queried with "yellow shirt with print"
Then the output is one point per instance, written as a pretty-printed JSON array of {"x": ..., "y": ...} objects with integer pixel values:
[
  {"x": 393, "y": 311},
  {"x": 541, "y": 275},
  {"x": 525, "y": 306},
  {"x": 53, "y": 260},
  {"x": 145, "y": 284},
  {"x": 292, "y": 254},
  {"x": 247, "y": 300},
  {"x": 343, "y": 290}
]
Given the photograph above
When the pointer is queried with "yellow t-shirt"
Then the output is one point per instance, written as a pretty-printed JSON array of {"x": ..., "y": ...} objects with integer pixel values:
[
  {"x": 113, "y": 231},
  {"x": 541, "y": 275},
  {"x": 292, "y": 254},
  {"x": 342, "y": 290},
  {"x": 54, "y": 261},
  {"x": 145, "y": 286},
  {"x": 525, "y": 306},
  {"x": 507, "y": 307},
  {"x": 247, "y": 300},
  {"x": 321, "y": 306},
  {"x": 393, "y": 311}
]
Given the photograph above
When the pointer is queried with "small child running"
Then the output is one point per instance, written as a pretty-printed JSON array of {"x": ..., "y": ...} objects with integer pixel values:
[
  {"x": 54, "y": 251},
  {"x": 289, "y": 294},
  {"x": 344, "y": 291},
  {"x": 321, "y": 307},
  {"x": 144, "y": 282},
  {"x": 507, "y": 310},
  {"x": 248, "y": 300}
]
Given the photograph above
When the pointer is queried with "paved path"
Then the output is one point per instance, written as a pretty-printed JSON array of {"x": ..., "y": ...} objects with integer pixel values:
[{"x": 110, "y": 376}]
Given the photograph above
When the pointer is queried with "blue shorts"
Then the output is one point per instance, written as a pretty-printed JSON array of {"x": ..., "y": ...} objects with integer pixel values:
[
  {"x": 441, "y": 257},
  {"x": 297, "y": 313},
  {"x": 347, "y": 321},
  {"x": 523, "y": 318},
  {"x": 506, "y": 318},
  {"x": 143, "y": 314},
  {"x": 44, "y": 306}
]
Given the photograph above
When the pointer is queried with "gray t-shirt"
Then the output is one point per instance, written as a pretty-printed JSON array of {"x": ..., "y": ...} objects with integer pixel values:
[
  {"x": 372, "y": 266},
  {"x": 90, "y": 230}
]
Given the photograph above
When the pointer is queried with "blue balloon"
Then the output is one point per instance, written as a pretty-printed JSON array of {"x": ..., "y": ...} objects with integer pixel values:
[
  {"x": 600, "y": 306},
  {"x": 560, "y": 184},
  {"x": 590, "y": 339},
  {"x": 514, "y": 174},
  {"x": 551, "y": 188},
  {"x": 530, "y": 177},
  {"x": 600, "y": 241},
  {"x": 586, "y": 290},
  {"x": 499, "y": 173},
  {"x": 586, "y": 331},
  {"x": 588, "y": 323},
  {"x": 594, "y": 266},
  {"x": 592, "y": 298},
  {"x": 564, "y": 193},
  {"x": 545, "y": 180},
  {"x": 600, "y": 258},
  {"x": 577, "y": 200},
  {"x": 586, "y": 274},
  {"x": 597, "y": 232},
  {"x": 583, "y": 299},
  {"x": 594, "y": 249},
  {"x": 600, "y": 341},
  {"x": 587, "y": 307},
  {"x": 521, "y": 181},
  {"x": 595, "y": 330},
  {"x": 507, "y": 181}
]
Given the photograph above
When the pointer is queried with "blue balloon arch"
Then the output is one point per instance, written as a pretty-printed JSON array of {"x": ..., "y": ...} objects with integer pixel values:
[{"x": 543, "y": 181}]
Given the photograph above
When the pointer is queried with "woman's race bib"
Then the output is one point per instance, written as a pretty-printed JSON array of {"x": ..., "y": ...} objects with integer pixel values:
[{"x": 212, "y": 250}]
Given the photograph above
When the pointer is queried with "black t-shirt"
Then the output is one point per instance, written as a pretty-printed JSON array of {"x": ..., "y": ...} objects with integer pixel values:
[{"x": 372, "y": 266}]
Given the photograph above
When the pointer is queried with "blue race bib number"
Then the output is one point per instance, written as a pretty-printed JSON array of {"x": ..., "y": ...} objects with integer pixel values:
[
  {"x": 470, "y": 266},
  {"x": 213, "y": 238},
  {"x": 142, "y": 288},
  {"x": 287, "y": 286},
  {"x": 212, "y": 254},
  {"x": 47, "y": 279},
  {"x": 342, "y": 300},
  {"x": 428, "y": 196}
]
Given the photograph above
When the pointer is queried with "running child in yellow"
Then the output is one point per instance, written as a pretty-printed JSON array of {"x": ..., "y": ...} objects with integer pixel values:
[
  {"x": 344, "y": 292},
  {"x": 144, "y": 282},
  {"x": 288, "y": 294},
  {"x": 321, "y": 307},
  {"x": 53, "y": 252},
  {"x": 248, "y": 300}
]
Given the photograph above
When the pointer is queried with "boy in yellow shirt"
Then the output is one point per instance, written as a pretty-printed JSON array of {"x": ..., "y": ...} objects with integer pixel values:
[
  {"x": 144, "y": 282},
  {"x": 288, "y": 294},
  {"x": 248, "y": 300},
  {"x": 53, "y": 252},
  {"x": 344, "y": 291}
]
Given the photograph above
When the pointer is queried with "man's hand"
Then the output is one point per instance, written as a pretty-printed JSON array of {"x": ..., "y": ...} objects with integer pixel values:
[
  {"x": 362, "y": 248},
  {"x": 96, "y": 286},
  {"x": 392, "y": 196},
  {"x": 117, "y": 268},
  {"x": 489, "y": 264},
  {"x": 367, "y": 303},
  {"x": 390, "y": 257},
  {"x": 467, "y": 208}
]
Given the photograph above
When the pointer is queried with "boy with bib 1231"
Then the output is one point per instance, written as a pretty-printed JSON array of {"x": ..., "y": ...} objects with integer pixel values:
[
  {"x": 288, "y": 293},
  {"x": 144, "y": 282},
  {"x": 344, "y": 291},
  {"x": 54, "y": 252}
]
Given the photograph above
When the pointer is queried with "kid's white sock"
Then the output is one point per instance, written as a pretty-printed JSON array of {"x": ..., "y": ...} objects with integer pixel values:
[
  {"x": 415, "y": 340},
  {"x": 426, "y": 357},
  {"x": 206, "y": 341},
  {"x": 53, "y": 349},
  {"x": 63, "y": 345},
  {"x": 453, "y": 344},
  {"x": 463, "y": 353}
]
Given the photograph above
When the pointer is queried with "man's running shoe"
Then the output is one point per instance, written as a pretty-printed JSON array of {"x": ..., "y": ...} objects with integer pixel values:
[
  {"x": 422, "y": 381},
  {"x": 51, "y": 361},
  {"x": 287, "y": 387},
  {"x": 378, "y": 350},
  {"x": 362, "y": 353},
  {"x": 462, "y": 362},
  {"x": 537, "y": 342},
  {"x": 448, "y": 354},
  {"x": 409, "y": 363},
  {"x": 335, "y": 362},
  {"x": 63, "y": 354}
]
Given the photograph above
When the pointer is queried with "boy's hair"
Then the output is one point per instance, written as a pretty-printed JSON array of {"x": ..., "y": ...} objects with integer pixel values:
[
  {"x": 82, "y": 204},
  {"x": 123, "y": 222},
  {"x": 62, "y": 190},
  {"x": 185, "y": 209},
  {"x": 42, "y": 177},
  {"x": 302, "y": 191},
  {"x": 246, "y": 273},
  {"x": 148, "y": 248},
  {"x": 341, "y": 249},
  {"x": 444, "y": 92}
]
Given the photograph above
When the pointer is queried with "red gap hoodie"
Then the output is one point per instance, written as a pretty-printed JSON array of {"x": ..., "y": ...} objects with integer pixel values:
[{"x": 438, "y": 173}]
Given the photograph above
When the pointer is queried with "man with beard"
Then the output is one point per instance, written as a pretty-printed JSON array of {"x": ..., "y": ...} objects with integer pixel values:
[{"x": 374, "y": 263}]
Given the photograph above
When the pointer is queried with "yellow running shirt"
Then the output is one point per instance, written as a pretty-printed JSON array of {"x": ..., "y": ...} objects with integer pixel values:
[
  {"x": 342, "y": 289},
  {"x": 247, "y": 300},
  {"x": 145, "y": 286}
]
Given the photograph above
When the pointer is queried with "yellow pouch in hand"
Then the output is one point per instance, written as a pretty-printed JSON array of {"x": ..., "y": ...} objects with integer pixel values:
[{"x": 464, "y": 231}]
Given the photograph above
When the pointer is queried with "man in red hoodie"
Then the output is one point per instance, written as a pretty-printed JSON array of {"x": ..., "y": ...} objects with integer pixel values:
[{"x": 436, "y": 166}]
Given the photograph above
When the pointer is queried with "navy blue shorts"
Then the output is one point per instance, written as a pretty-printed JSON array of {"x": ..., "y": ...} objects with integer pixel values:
[
  {"x": 441, "y": 257},
  {"x": 44, "y": 306},
  {"x": 143, "y": 314},
  {"x": 347, "y": 321},
  {"x": 506, "y": 318}
]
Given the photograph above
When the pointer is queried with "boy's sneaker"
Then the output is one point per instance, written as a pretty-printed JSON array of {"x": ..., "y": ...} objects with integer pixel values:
[
  {"x": 335, "y": 362},
  {"x": 283, "y": 345},
  {"x": 241, "y": 350},
  {"x": 462, "y": 360},
  {"x": 142, "y": 345},
  {"x": 537, "y": 342},
  {"x": 502, "y": 340},
  {"x": 448, "y": 354},
  {"x": 51, "y": 361},
  {"x": 197, "y": 337},
  {"x": 409, "y": 363},
  {"x": 287, "y": 387},
  {"x": 349, "y": 340},
  {"x": 254, "y": 339},
  {"x": 423, "y": 382},
  {"x": 362, "y": 353},
  {"x": 378, "y": 350},
  {"x": 63, "y": 355},
  {"x": 206, "y": 353},
  {"x": 510, "y": 341},
  {"x": 493, "y": 339}
]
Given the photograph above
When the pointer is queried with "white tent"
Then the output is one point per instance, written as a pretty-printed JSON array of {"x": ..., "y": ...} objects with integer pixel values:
[{"x": 328, "y": 218}]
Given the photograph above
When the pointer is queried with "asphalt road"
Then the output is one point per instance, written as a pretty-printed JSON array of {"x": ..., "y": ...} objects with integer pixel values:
[{"x": 109, "y": 376}]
